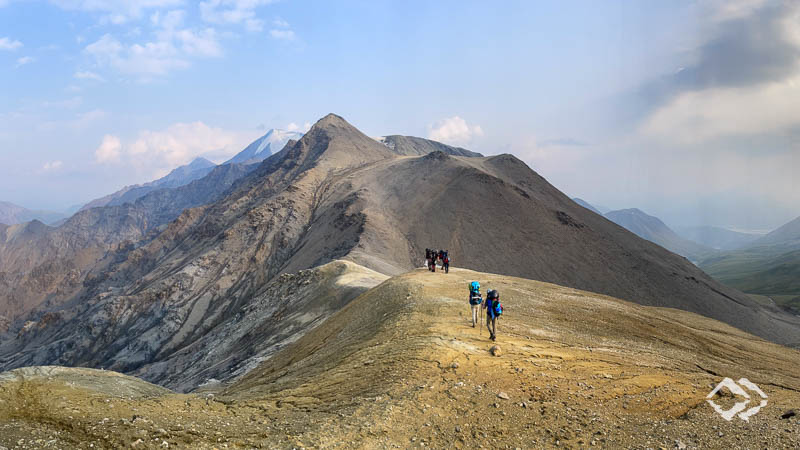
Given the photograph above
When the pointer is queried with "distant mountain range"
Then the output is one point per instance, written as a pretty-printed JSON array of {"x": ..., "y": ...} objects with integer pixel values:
[
  {"x": 654, "y": 230},
  {"x": 254, "y": 153},
  {"x": 768, "y": 266},
  {"x": 695, "y": 243},
  {"x": 11, "y": 214},
  {"x": 717, "y": 238},
  {"x": 181, "y": 176}
]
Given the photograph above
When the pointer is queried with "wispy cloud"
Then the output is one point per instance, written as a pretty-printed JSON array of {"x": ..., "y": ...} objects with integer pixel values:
[
  {"x": 454, "y": 130},
  {"x": 743, "y": 79},
  {"x": 233, "y": 12},
  {"x": 286, "y": 35},
  {"x": 70, "y": 103},
  {"x": 116, "y": 11},
  {"x": 24, "y": 60},
  {"x": 52, "y": 166},
  {"x": 295, "y": 127},
  {"x": 282, "y": 30},
  {"x": 9, "y": 44},
  {"x": 173, "y": 49},
  {"x": 87, "y": 75}
]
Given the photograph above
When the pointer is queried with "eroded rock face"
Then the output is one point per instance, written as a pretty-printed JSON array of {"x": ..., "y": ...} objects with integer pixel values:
[
  {"x": 41, "y": 264},
  {"x": 182, "y": 342}
]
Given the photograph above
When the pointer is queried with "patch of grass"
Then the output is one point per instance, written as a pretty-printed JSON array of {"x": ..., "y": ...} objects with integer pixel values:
[{"x": 759, "y": 271}]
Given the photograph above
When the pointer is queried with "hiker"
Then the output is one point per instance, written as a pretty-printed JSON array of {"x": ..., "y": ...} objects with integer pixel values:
[
  {"x": 475, "y": 301},
  {"x": 445, "y": 262},
  {"x": 428, "y": 258},
  {"x": 432, "y": 261},
  {"x": 493, "y": 310}
]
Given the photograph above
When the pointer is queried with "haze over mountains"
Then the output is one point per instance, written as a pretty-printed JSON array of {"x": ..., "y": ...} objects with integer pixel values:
[
  {"x": 216, "y": 272},
  {"x": 718, "y": 238},
  {"x": 11, "y": 214},
  {"x": 654, "y": 230},
  {"x": 254, "y": 153},
  {"x": 768, "y": 266}
]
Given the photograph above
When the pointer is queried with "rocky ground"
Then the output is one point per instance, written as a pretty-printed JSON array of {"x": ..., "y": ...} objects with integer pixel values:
[{"x": 401, "y": 367}]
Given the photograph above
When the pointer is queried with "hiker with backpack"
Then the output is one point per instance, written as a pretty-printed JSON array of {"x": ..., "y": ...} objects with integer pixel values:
[
  {"x": 475, "y": 301},
  {"x": 493, "y": 310},
  {"x": 445, "y": 262}
]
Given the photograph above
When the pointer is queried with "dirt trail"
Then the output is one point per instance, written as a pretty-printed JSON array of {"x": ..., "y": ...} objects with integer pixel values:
[{"x": 400, "y": 366}]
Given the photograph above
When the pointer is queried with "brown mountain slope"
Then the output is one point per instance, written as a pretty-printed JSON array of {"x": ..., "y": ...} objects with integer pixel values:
[
  {"x": 38, "y": 262},
  {"x": 338, "y": 194},
  {"x": 400, "y": 366}
]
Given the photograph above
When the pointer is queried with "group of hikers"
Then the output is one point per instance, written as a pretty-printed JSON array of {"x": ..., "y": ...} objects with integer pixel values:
[
  {"x": 431, "y": 256},
  {"x": 492, "y": 306}
]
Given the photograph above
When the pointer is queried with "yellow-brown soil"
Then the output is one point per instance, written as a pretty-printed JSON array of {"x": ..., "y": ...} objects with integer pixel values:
[{"x": 401, "y": 366}]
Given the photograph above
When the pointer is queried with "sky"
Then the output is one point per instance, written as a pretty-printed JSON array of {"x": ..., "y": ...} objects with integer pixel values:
[{"x": 688, "y": 110}]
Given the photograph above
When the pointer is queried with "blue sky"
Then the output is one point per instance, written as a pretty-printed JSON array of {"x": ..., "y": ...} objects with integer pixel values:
[{"x": 626, "y": 104}]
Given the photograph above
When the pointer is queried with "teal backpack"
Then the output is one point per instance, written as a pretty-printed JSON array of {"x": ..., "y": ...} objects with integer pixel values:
[
  {"x": 475, "y": 288},
  {"x": 475, "y": 293}
]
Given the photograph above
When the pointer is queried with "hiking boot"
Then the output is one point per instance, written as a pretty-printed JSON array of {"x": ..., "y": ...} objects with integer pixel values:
[{"x": 493, "y": 338}]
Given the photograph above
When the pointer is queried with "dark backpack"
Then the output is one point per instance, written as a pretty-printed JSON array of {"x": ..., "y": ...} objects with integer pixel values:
[{"x": 494, "y": 297}]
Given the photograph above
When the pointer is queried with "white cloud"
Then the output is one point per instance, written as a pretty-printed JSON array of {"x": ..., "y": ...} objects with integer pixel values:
[
  {"x": 9, "y": 44},
  {"x": 109, "y": 150},
  {"x": 117, "y": 11},
  {"x": 286, "y": 35},
  {"x": 155, "y": 58},
  {"x": 172, "y": 49},
  {"x": 153, "y": 152},
  {"x": 454, "y": 130},
  {"x": 87, "y": 75},
  {"x": 233, "y": 12},
  {"x": 712, "y": 113},
  {"x": 721, "y": 10},
  {"x": 24, "y": 60},
  {"x": 52, "y": 166},
  {"x": 295, "y": 127}
]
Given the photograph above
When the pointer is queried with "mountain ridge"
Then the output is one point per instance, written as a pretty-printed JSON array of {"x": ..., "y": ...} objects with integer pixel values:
[{"x": 337, "y": 194}]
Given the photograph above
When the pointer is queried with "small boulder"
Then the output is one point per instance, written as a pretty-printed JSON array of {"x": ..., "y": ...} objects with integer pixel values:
[
  {"x": 454, "y": 365},
  {"x": 788, "y": 414},
  {"x": 503, "y": 395},
  {"x": 496, "y": 351}
]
